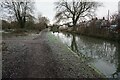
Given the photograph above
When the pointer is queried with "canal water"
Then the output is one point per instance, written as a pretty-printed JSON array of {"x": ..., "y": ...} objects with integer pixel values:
[{"x": 103, "y": 55}]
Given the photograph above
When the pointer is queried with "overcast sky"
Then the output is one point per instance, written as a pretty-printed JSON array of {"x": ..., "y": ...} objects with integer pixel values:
[{"x": 47, "y": 8}]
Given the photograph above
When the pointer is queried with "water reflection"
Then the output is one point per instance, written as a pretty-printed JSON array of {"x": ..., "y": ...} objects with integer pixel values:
[
  {"x": 102, "y": 54},
  {"x": 96, "y": 48},
  {"x": 117, "y": 73},
  {"x": 74, "y": 44}
]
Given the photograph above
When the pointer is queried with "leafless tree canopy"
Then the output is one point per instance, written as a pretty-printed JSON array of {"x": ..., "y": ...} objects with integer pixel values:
[
  {"x": 43, "y": 20},
  {"x": 19, "y": 9},
  {"x": 75, "y": 10}
]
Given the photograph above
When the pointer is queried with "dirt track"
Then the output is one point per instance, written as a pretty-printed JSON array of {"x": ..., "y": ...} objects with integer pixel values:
[
  {"x": 37, "y": 58},
  {"x": 28, "y": 59}
]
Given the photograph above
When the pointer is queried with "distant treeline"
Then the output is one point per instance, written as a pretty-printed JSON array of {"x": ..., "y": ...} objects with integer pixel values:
[{"x": 30, "y": 25}]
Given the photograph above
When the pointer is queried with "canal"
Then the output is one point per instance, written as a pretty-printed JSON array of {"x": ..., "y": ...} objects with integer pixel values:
[{"x": 103, "y": 55}]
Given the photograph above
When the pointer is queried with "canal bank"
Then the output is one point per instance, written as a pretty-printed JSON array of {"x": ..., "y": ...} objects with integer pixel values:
[
  {"x": 103, "y": 55},
  {"x": 71, "y": 64},
  {"x": 42, "y": 56},
  {"x": 99, "y": 34}
]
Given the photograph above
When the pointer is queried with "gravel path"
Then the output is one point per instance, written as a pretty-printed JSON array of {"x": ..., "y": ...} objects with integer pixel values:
[{"x": 42, "y": 57}]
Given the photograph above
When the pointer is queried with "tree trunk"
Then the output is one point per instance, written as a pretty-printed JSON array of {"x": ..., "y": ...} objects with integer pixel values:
[
  {"x": 22, "y": 23},
  {"x": 74, "y": 25}
]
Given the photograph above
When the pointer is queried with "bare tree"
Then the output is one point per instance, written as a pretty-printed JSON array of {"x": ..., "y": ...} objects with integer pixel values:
[
  {"x": 114, "y": 18},
  {"x": 19, "y": 9},
  {"x": 43, "y": 20},
  {"x": 75, "y": 10}
]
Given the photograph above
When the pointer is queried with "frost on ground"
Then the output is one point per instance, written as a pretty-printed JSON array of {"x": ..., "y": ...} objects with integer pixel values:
[{"x": 42, "y": 56}]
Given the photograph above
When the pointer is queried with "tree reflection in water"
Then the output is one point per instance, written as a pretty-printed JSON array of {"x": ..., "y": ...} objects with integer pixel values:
[
  {"x": 117, "y": 73},
  {"x": 74, "y": 44},
  {"x": 95, "y": 50}
]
